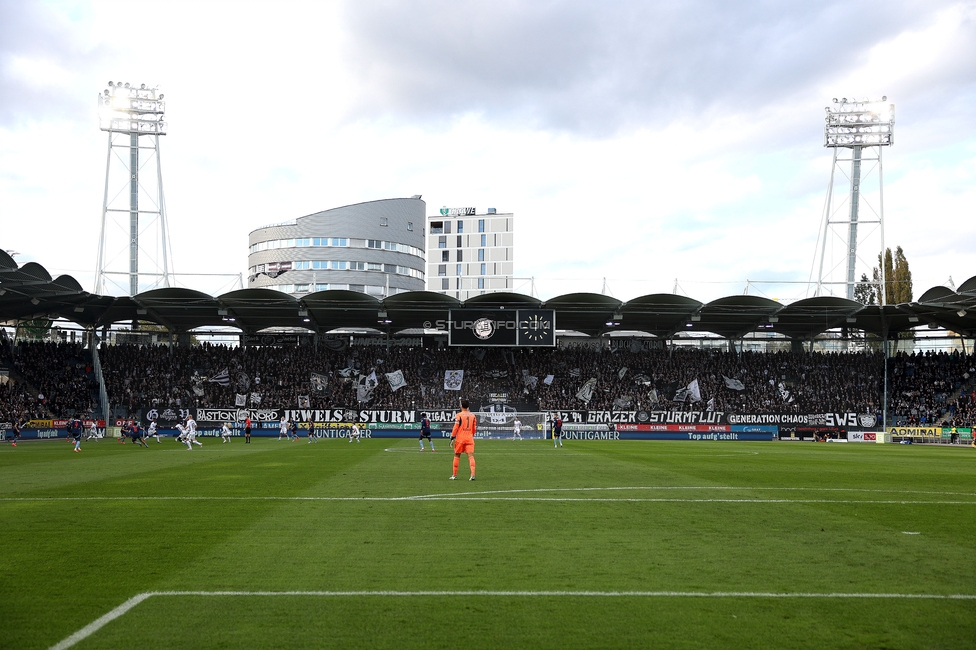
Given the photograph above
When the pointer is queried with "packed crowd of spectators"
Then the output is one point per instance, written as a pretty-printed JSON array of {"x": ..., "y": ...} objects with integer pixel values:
[
  {"x": 922, "y": 387},
  {"x": 47, "y": 379},
  {"x": 57, "y": 380},
  {"x": 533, "y": 379}
]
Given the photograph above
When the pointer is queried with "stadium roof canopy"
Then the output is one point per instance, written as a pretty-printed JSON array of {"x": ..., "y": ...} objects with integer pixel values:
[{"x": 28, "y": 292}]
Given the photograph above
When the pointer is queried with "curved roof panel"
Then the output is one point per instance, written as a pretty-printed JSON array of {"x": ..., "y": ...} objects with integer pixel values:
[
  {"x": 256, "y": 309},
  {"x": 417, "y": 309},
  {"x": 587, "y": 313},
  {"x": 503, "y": 299},
  {"x": 337, "y": 308},
  {"x": 660, "y": 314},
  {"x": 805, "y": 319},
  {"x": 969, "y": 286},
  {"x": 733, "y": 317}
]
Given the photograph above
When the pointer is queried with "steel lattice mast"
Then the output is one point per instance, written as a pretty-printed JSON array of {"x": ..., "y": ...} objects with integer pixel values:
[
  {"x": 862, "y": 127},
  {"x": 125, "y": 110}
]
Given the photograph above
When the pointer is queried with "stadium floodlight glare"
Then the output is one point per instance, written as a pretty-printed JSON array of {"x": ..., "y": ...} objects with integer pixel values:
[
  {"x": 859, "y": 123},
  {"x": 127, "y": 109}
]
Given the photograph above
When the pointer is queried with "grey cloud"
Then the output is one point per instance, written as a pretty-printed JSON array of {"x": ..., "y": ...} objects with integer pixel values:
[
  {"x": 34, "y": 31},
  {"x": 596, "y": 67}
]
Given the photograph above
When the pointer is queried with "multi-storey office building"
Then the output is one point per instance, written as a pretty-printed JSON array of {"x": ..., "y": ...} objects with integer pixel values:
[
  {"x": 376, "y": 247},
  {"x": 470, "y": 254}
]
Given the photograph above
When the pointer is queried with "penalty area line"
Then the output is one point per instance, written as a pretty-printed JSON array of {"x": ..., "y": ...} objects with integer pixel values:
[{"x": 122, "y": 609}]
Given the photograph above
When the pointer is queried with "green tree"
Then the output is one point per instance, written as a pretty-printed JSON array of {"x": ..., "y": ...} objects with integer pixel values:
[
  {"x": 898, "y": 277},
  {"x": 864, "y": 291}
]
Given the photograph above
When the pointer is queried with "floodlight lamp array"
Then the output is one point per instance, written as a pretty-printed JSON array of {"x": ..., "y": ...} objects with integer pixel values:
[
  {"x": 123, "y": 108},
  {"x": 859, "y": 123}
]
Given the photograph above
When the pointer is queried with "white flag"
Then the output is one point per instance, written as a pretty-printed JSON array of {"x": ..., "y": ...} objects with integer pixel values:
[
  {"x": 396, "y": 380},
  {"x": 240, "y": 399},
  {"x": 711, "y": 404},
  {"x": 689, "y": 393},
  {"x": 622, "y": 372},
  {"x": 303, "y": 401},
  {"x": 548, "y": 380},
  {"x": 256, "y": 399},
  {"x": 530, "y": 381},
  {"x": 585, "y": 393},
  {"x": 652, "y": 397},
  {"x": 734, "y": 384},
  {"x": 222, "y": 378},
  {"x": 453, "y": 379},
  {"x": 198, "y": 391}
]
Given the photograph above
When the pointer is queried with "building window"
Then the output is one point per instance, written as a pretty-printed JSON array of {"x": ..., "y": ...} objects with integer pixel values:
[
  {"x": 374, "y": 266},
  {"x": 442, "y": 242},
  {"x": 384, "y": 221},
  {"x": 481, "y": 254},
  {"x": 481, "y": 283},
  {"x": 410, "y": 226},
  {"x": 460, "y": 257},
  {"x": 460, "y": 226},
  {"x": 321, "y": 287},
  {"x": 458, "y": 269},
  {"x": 481, "y": 225},
  {"x": 459, "y": 241},
  {"x": 442, "y": 269},
  {"x": 484, "y": 269},
  {"x": 445, "y": 256},
  {"x": 445, "y": 284},
  {"x": 484, "y": 240},
  {"x": 436, "y": 227}
]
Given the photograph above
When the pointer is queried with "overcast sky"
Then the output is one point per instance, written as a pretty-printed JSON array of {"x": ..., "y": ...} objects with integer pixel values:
[{"x": 645, "y": 143}]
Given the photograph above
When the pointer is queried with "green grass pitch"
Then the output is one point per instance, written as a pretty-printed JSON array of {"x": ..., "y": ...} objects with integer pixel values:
[{"x": 598, "y": 544}]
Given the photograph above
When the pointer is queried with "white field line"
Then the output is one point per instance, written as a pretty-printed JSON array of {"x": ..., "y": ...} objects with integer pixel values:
[
  {"x": 101, "y": 622},
  {"x": 501, "y": 495},
  {"x": 476, "y": 497}
]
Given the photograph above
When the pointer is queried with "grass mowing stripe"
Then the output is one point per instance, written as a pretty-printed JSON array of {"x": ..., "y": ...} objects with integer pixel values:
[{"x": 99, "y": 623}]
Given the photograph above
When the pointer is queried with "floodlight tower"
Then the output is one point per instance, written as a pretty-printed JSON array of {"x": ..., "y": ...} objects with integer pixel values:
[
  {"x": 863, "y": 128},
  {"x": 125, "y": 110}
]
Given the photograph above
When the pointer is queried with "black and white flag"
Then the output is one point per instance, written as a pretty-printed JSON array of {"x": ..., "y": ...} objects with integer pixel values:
[
  {"x": 396, "y": 380},
  {"x": 222, "y": 378},
  {"x": 319, "y": 382},
  {"x": 585, "y": 393},
  {"x": 689, "y": 393},
  {"x": 453, "y": 379},
  {"x": 240, "y": 399}
]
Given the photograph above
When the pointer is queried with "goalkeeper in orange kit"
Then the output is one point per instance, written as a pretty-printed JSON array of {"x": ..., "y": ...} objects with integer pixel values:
[{"x": 462, "y": 437}]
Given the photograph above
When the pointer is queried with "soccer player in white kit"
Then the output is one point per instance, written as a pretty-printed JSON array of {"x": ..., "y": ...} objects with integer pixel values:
[
  {"x": 284, "y": 429},
  {"x": 92, "y": 433},
  {"x": 517, "y": 429},
  {"x": 153, "y": 433},
  {"x": 182, "y": 437},
  {"x": 354, "y": 433},
  {"x": 225, "y": 433},
  {"x": 191, "y": 431}
]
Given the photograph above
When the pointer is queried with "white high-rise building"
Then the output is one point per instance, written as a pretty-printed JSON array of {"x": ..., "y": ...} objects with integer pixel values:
[{"x": 470, "y": 254}]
